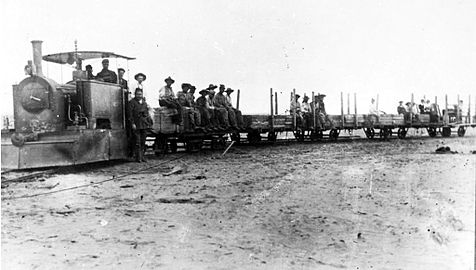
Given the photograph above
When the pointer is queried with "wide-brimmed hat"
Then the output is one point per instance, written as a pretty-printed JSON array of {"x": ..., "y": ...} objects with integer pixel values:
[
  {"x": 169, "y": 79},
  {"x": 140, "y": 74},
  {"x": 222, "y": 86},
  {"x": 408, "y": 103},
  {"x": 193, "y": 88},
  {"x": 400, "y": 101},
  {"x": 297, "y": 96},
  {"x": 229, "y": 90},
  {"x": 320, "y": 96},
  {"x": 186, "y": 85},
  {"x": 204, "y": 90},
  {"x": 211, "y": 87}
]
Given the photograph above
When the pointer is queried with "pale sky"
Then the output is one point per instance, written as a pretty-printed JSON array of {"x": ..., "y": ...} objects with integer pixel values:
[{"x": 389, "y": 48}]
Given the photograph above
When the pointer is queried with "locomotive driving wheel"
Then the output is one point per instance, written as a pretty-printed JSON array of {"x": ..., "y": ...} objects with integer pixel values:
[
  {"x": 402, "y": 133},
  {"x": 461, "y": 131},
  {"x": 370, "y": 133}
]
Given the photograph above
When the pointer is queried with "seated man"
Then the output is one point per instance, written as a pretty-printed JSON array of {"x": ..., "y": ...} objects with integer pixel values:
[
  {"x": 106, "y": 75},
  {"x": 321, "y": 113},
  {"x": 239, "y": 116},
  {"x": 295, "y": 107},
  {"x": 190, "y": 98},
  {"x": 167, "y": 99},
  {"x": 182, "y": 100},
  {"x": 219, "y": 102},
  {"x": 206, "y": 113},
  {"x": 401, "y": 109}
]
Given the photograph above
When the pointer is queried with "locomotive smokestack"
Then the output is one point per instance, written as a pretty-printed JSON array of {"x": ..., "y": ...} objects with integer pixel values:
[{"x": 37, "y": 56}]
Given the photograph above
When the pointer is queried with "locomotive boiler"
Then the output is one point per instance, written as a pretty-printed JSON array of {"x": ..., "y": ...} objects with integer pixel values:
[{"x": 65, "y": 124}]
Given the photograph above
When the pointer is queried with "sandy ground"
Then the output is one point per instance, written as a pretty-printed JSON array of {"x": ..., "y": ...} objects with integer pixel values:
[{"x": 348, "y": 205}]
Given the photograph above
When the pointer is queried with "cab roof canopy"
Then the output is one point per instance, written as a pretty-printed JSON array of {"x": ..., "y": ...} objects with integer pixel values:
[{"x": 71, "y": 57}]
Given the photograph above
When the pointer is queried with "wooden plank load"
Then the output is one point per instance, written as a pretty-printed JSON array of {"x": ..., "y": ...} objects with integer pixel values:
[
  {"x": 424, "y": 118},
  {"x": 256, "y": 121},
  {"x": 391, "y": 119},
  {"x": 283, "y": 121},
  {"x": 163, "y": 121},
  {"x": 350, "y": 119}
]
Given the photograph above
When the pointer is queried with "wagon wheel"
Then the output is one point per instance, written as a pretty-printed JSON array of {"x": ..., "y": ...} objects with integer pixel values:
[
  {"x": 432, "y": 132},
  {"x": 299, "y": 135},
  {"x": 402, "y": 133},
  {"x": 369, "y": 132},
  {"x": 446, "y": 132},
  {"x": 461, "y": 131},
  {"x": 160, "y": 146},
  {"x": 272, "y": 136},
  {"x": 253, "y": 137},
  {"x": 334, "y": 134},
  {"x": 316, "y": 135},
  {"x": 173, "y": 146},
  {"x": 384, "y": 133},
  {"x": 235, "y": 137}
]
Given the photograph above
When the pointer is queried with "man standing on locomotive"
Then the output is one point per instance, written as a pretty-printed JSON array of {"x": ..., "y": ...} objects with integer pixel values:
[
  {"x": 167, "y": 99},
  {"x": 141, "y": 122},
  {"x": 106, "y": 75}
]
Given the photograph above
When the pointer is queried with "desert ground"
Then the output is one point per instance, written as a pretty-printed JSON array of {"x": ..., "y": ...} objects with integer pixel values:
[{"x": 351, "y": 204}]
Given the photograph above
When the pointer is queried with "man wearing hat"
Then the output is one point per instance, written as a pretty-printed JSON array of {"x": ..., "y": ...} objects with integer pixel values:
[
  {"x": 190, "y": 97},
  {"x": 182, "y": 100},
  {"x": 89, "y": 71},
  {"x": 321, "y": 113},
  {"x": 296, "y": 107},
  {"x": 141, "y": 122},
  {"x": 221, "y": 114},
  {"x": 167, "y": 99},
  {"x": 306, "y": 111},
  {"x": 106, "y": 75},
  {"x": 401, "y": 109},
  {"x": 220, "y": 103},
  {"x": 239, "y": 116},
  {"x": 122, "y": 81},
  {"x": 206, "y": 112}
]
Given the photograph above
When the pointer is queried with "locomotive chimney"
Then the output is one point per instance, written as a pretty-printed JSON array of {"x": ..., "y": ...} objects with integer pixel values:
[{"x": 37, "y": 56}]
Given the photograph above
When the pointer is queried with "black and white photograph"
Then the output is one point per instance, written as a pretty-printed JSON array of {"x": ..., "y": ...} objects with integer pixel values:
[{"x": 239, "y": 134}]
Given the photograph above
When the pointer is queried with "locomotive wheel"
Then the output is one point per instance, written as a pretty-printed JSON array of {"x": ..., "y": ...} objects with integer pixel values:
[
  {"x": 272, "y": 136},
  {"x": 461, "y": 131},
  {"x": 334, "y": 134},
  {"x": 432, "y": 132},
  {"x": 402, "y": 133},
  {"x": 446, "y": 132},
  {"x": 369, "y": 132}
]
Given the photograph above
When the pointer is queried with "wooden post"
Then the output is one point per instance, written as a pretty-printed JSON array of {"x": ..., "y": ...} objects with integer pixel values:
[
  {"x": 457, "y": 110},
  {"x": 445, "y": 117},
  {"x": 342, "y": 109},
  {"x": 355, "y": 110},
  {"x": 376, "y": 107},
  {"x": 271, "y": 107},
  {"x": 313, "y": 108},
  {"x": 238, "y": 99},
  {"x": 276, "y": 103},
  {"x": 469, "y": 110},
  {"x": 348, "y": 103},
  {"x": 411, "y": 110},
  {"x": 294, "y": 102}
]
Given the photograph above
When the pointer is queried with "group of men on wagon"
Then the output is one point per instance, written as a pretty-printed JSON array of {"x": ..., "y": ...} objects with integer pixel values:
[
  {"x": 209, "y": 112},
  {"x": 306, "y": 111}
]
